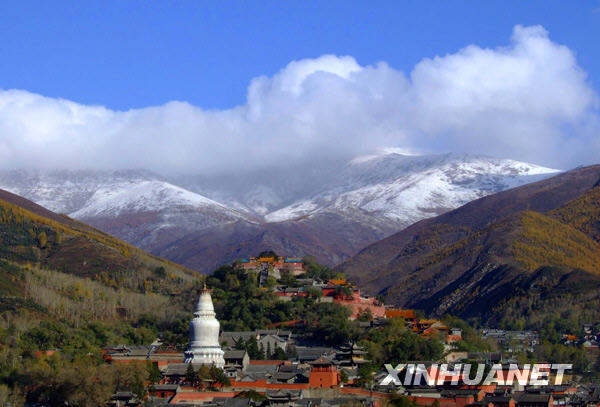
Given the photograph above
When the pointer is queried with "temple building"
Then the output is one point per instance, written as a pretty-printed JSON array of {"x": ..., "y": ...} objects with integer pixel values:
[
  {"x": 204, "y": 345},
  {"x": 277, "y": 265}
]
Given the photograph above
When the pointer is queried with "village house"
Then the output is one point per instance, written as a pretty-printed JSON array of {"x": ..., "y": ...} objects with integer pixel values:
[{"x": 236, "y": 359}]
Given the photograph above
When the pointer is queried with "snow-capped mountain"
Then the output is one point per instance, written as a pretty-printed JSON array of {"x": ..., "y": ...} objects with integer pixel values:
[
  {"x": 404, "y": 189},
  {"x": 330, "y": 210},
  {"x": 138, "y": 206},
  {"x": 140, "y": 195}
]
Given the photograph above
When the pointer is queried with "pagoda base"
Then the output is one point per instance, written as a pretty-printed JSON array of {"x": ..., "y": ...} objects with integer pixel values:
[{"x": 205, "y": 356}]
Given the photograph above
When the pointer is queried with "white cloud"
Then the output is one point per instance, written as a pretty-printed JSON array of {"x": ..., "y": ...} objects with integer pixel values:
[
  {"x": 528, "y": 100},
  {"x": 509, "y": 101}
]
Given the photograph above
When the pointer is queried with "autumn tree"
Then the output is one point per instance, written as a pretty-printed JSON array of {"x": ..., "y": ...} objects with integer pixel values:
[{"x": 42, "y": 240}]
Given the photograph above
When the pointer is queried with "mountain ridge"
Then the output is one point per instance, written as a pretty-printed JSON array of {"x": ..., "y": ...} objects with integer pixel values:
[{"x": 362, "y": 201}]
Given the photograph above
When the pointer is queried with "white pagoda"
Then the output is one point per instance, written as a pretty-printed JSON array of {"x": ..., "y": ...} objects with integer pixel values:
[{"x": 204, "y": 345}]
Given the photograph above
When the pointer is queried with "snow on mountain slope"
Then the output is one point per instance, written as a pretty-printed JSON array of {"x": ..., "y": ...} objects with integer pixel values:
[
  {"x": 60, "y": 191},
  {"x": 330, "y": 209},
  {"x": 138, "y": 206},
  {"x": 386, "y": 186},
  {"x": 404, "y": 189},
  {"x": 143, "y": 195},
  {"x": 104, "y": 195}
]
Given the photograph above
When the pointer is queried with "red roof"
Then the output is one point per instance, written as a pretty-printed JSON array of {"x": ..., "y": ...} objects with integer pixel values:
[{"x": 401, "y": 313}]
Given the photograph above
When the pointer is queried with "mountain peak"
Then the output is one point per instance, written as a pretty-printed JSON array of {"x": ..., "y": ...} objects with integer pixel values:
[{"x": 382, "y": 152}]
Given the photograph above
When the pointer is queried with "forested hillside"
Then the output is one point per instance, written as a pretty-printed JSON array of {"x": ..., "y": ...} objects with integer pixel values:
[{"x": 67, "y": 286}]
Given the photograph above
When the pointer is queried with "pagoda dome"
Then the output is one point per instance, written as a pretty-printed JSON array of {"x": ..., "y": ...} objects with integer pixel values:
[{"x": 204, "y": 328}]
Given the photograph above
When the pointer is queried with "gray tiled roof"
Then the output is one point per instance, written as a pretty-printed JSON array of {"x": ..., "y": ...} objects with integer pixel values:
[
  {"x": 261, "y": 368},
  {"x": 234, "y": 354},
  {"x": 312, "y": 353},
  {"x": 533, "y": 398}
]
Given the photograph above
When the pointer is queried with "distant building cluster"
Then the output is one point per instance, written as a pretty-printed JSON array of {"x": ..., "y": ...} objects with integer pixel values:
[
  {"x": 512, "y": 341},
  {"x": 273, "y": 266},
  {"x": 338, "y": 291},
  {"x": 425, "y": 327},
  {"x": 589, "y": 341}
]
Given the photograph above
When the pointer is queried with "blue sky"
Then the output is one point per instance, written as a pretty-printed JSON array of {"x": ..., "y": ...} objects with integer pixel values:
[
  {"x": 128, "y": 54},
  {"x": 214, "y": 86}
]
